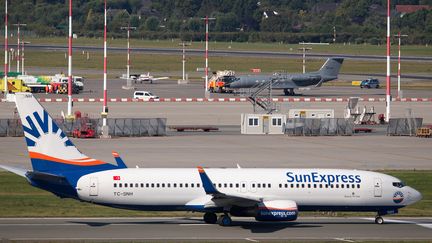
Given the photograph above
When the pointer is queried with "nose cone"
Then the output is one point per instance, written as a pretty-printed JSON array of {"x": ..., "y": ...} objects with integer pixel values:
[{"x": 415, "y": 195}]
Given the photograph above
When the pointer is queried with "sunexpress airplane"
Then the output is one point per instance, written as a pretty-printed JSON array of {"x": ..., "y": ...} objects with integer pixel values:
[{"x": 262, "y": 193}]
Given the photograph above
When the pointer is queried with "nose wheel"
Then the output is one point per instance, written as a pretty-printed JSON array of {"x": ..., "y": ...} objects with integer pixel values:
[{"x": 379, "y": 220}]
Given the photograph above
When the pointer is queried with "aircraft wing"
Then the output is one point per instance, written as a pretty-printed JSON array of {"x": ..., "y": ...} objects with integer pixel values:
[{"x": 221, "y": 198}]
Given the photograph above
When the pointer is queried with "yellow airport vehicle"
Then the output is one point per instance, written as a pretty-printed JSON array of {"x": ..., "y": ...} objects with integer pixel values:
[
  {"x": 356, "y": 83},
  {"x": 14, "y": 86}
]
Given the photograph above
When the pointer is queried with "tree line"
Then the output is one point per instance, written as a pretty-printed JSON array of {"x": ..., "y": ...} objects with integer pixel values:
[{"x": 287, "y": 21}]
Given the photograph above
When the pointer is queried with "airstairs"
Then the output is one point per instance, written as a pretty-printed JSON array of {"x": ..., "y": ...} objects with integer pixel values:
[{"x": 260, "y": 95}]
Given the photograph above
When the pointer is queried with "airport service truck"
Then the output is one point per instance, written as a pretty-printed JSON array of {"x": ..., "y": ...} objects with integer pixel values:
[
  {"x": 14, "y": 85},
  {"x": 217, "y": 82}
]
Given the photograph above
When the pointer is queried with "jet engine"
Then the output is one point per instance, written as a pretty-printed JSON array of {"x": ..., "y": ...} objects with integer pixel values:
[{"x": 277, "y": 210}]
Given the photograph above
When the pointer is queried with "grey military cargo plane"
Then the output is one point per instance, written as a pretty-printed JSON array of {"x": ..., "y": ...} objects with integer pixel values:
[{"x": 288, "y": 82}]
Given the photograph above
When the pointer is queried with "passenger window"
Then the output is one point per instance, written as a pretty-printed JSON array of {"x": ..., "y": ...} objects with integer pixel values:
[
  {"x": 186, "y": 185},
  {"x": 297, "y": 185},
  {"x": 259, "y": 185},
  {"x": 157, "y": 185},
  {"x": 347, "y": 186},
  {"x": 292, "y": 185},
  {"x": 280, "y": 185},
  {"x": 331, "y": 186},
  {"x": 152, "y": 185},
  {"x": 163, "y": 184},
  {"x": 243, "y": 185},
  {"x": 286, "y": 185},
  {"x": 220, "y": 185},
  {"x": 264, "y": 185},
  {"x": 309, "y": 185},
  {"x": 126, "y": 185},
  {"x": 192, "y": 185},
  {"x": 302, "y": 185},
  {"x": 168, "y": 185},
  {"x": 237, "y": 185},
  {"x": 175, "y": 184},
  {"x": 136, "y": 185},
  {"x": 352, "y": 186},
  {"x": 320, "y": 185},
  {"x": 147, "y": 185},
  {"x": 337, "y": 185},
  {"x": 326, "y": 185},
  {"x": 269, "y": 185},
  {"x": 198, "y": 185},
  {"x": 225, "y": 185},
  {"x": 231, "y": 185},
  {"x": 358, "y": 185},
  {"x": 253, "y": 185},
  {"x": 115, "y": 184},
  {"x": 180, "y": 185},
  {"x": 315, "y": 186},
  {"x": 342, "y": 185},
  {"x": 131, "y": 185}
]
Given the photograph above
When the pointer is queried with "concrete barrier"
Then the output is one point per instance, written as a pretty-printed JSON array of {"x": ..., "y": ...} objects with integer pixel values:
[
  {"x": 403, "y": 126},
  {"x": 319, "y": 127}
]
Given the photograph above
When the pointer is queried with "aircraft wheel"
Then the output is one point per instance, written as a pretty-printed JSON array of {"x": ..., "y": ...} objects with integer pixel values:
[
  {"x": 210, "y": 218},
  {"x": 379, "y": 220},
  {"x": 225, "y": 220}
]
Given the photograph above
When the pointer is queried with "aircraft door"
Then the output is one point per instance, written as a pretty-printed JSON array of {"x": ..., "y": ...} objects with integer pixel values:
[
  {"x": 266, "y": 124},
  {"x": 377, "y": 187},
  {"x": 93, "y": 186}
]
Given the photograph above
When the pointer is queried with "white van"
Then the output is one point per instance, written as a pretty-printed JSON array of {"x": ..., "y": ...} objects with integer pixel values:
[{"x": 144, "y": 95}]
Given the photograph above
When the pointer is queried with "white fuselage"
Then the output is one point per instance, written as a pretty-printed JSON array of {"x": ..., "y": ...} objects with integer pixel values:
[{"x": 311, "y": 189}]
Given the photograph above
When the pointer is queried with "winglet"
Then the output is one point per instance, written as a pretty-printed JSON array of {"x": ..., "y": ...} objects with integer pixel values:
[
  {"x": 209, "y": 188},
  {"x": 120, "y": 163}
]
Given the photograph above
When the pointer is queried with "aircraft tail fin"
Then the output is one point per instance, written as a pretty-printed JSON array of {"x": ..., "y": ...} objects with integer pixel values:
[
  {"x": 50, "y": 150},
  {"x": 331, "y": 67}
]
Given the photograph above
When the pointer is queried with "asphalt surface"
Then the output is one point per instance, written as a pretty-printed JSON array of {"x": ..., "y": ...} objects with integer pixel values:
[
  {"x": 170, "y": 89},
  {"x": 271, "y": 54},
  {"x": 217, "y": 149},
  {"x": 193, "y": 229}
]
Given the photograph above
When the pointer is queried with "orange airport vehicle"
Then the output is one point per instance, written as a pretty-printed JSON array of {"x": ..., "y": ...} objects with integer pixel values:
[{"x": 217, "y": 82}]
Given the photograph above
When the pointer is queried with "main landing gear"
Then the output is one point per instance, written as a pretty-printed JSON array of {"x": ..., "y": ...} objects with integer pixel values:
[
  {"x": 379, "y": 220},
  {"x": 223, "y": 220}
]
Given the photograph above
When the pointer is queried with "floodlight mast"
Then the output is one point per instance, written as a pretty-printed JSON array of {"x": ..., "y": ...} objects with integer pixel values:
[
  {"x": 105, "y": 106},
  {"x": 184, "y": 44},
  {"x": 18, "y": 46},
  {"x": 69, "y": 110},
  {"x": 399, "y": 62},
  {"x": 23, "y": 43},
  {"x": 388, "y": 78},
  {"x": 206, "y": 19},
  {"x": 128, "y": 29}
]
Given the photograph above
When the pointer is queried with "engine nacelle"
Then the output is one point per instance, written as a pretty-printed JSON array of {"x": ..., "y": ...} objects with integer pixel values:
[{"x": 277, "y": 210}]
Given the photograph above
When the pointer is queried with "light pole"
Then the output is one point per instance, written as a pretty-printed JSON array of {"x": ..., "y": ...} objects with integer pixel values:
[
  {"x": 69, "y": 110},
  {"x": 334, "y": 34},
  {"x": 128, "y": 81},
  {"x": 18, "y": 45},
  {"x": 184, "y": 44},
  {"x": 105, "y": 128},
  {"x": 399, "y": 62},
  {"x": 206, "y": 19},
  {"x": 388, "y": 79},
  {"x": 6, "y": 50},
  {"x": 23, "y": 43},
  {"x": 304, "y": 49}
]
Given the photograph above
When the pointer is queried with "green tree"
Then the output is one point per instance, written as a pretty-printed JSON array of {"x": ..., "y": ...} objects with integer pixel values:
[{"x": 152, "y": 23}]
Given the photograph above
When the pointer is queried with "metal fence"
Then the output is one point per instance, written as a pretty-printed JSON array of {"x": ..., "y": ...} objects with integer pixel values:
[
  {"x": 119, "y": 127},
  {"x": 403, "y": 126},
  {"x": 319, "y": 127}
]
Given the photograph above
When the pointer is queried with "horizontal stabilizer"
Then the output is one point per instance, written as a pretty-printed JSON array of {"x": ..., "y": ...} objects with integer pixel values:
[{"x": 19, "y": 171}]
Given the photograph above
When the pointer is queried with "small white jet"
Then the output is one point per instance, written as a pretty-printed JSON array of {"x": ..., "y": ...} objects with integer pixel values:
[{"x": 263, "y": 193}]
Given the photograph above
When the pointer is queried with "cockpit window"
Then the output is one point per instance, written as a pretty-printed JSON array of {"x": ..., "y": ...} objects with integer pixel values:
[{"x": 398, "y": 184}]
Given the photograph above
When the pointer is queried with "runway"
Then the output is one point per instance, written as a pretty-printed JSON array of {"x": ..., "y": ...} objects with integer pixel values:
[
  {"x": 162, "y": 229},
  {"x": 239, "y": 53}
]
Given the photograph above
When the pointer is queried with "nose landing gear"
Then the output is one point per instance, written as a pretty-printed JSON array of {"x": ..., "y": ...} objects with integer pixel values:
[{"x": 379, "y": 220}]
